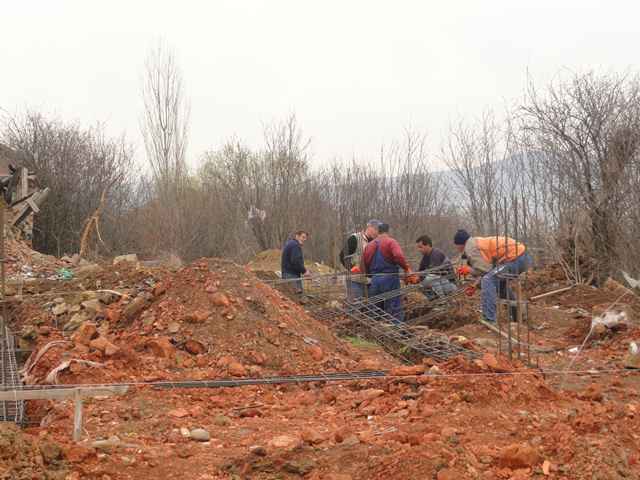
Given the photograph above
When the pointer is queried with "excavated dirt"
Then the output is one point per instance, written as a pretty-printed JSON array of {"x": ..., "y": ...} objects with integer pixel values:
[
  {"x": 210, "y": 319},
  {"x": 458, "y": 427},
  {"x": 23, "y": 456},
  {"x": 269, "y": 261},
  {"x": 487, "y": 419}
]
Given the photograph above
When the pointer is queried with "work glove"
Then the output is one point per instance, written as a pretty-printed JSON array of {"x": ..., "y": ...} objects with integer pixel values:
[
  {"x": 470, "y": 291},
  {"x": 412, "y": 279},
  {"x": 464, "y": 270},
  {"x": 355, "y": 269}
]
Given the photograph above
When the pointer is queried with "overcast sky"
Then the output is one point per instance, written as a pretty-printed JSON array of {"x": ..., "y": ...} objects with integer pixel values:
[{"x": 355, "y": 72}]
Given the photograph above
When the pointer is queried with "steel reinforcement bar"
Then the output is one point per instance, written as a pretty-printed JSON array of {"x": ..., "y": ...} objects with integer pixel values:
[
  {"x": 325, "y": 298},
  {"x": 398, "y": 338},
  {"x": 10, "y": 410},
  {"x": 219, "y": 383}
]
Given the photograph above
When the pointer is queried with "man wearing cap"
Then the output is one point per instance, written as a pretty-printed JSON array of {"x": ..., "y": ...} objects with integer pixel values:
[
  {"x": 351, "y": 255},
  {"x": 382, "y": 259},
  {"x": 489, "y": 257}
]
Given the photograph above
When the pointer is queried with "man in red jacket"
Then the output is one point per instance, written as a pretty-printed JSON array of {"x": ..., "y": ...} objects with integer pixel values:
[{"x": 382, "y": 259}]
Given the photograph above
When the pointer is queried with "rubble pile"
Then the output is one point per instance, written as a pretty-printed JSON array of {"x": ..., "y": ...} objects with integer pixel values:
[
  {"x": 23, "y": 261},
  {"x": 423, "y": 423},
  {"x": 25, "y": 456},
  {"x": 484, "y": 419},
  {"x": 268, "y": 261},
  {"x": 210, "y": 319}
]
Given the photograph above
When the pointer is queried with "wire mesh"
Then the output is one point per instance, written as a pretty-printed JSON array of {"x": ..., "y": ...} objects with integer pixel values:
[
  {"x": 10, "y": 411},
  {"x": 397, "y": 336},
  {"x": 327, "y": 298}
]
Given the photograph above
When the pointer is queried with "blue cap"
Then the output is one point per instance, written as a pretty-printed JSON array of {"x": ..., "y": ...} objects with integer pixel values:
[{"x": 461, "y": 237}]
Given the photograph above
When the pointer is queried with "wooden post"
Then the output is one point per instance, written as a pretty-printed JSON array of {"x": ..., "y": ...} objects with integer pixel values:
[
  {"x": 553, "y": 292},
  {"x": 77, "y": 416},
  {"x": 24, "y": 182},
  {"x": 61, "y": 393}
]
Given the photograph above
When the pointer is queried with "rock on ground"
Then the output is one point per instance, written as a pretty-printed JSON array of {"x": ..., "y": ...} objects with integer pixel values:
[
  {"x": 286, "y": 442},
  {"x": 200, "y": 435},
  {"x": 131, "y": 258},
  {"x": 519, "y": 456}
]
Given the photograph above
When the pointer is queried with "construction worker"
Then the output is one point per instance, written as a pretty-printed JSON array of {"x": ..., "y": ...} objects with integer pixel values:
[
  {"x": 435, "y": 271},
  {"x": 382, "y": 259},
  {"x": 292, "y": 262},
  {"x": 488, "y": 258},
  {"x": 351, "y": 255}
]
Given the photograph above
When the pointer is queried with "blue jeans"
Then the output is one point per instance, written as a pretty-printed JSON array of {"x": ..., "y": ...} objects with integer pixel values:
[
  {"x": 296, "y": 285},
  {"x": 387, "y": 283},
  {"x": 491, "y": 282},
  {"x": 435, "y": 286},
  {"x": 385, "y": 279},
  {"x": 355, "y": 290}
]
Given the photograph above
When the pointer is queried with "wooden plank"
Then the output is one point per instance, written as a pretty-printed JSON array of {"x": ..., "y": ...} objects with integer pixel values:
[
  {"x": 553, "y": 292},
  {"x": 494, "y": 328},
  {"x": 24, "y": 182},
  {"x": 33, "y": 205},
  {"x": 77, "y": 417},
  {"x": 57, "y": 393}
]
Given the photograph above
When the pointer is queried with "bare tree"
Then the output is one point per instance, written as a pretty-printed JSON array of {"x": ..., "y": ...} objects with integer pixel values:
[
  {"x": 166, "y": 119},
  {"x": 176, "y": 221},
  {"x": 270, "y": 185},
  {"x": 588, "y": 128},
  {"x": 476, "y": 155},
  {"x": 78, "y": 165}
]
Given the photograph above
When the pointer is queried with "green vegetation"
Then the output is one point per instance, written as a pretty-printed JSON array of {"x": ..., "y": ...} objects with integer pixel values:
[{"x": 360, "y": 342}]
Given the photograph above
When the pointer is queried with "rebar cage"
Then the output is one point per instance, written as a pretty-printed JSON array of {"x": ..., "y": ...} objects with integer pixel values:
[
  {"x": 13, "y": 410},
  {"x": 328, "y": 298}
]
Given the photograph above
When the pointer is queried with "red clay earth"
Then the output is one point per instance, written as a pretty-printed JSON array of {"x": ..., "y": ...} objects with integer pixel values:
[
  {"x": 406, "y": 427},
  {"x": 214, "y": 319}
]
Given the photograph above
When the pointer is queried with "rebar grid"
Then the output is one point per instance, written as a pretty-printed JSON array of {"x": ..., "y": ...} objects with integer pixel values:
[
  {"x": 325, "y": 298},
  {"x": 399, "y": 338},
  {"x": 522, "y": 323},
  {"x": 10, "y": 411}
]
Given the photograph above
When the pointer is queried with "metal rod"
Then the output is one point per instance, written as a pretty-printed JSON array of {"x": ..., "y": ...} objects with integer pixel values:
[
  {"x": 507, "y": 285},
  {"x": 495, "y": 264},
  {"x": 3, "y": 267},
  {"x": 518, "y": 285},
  {"x": 519, "y": 315},
  {"x": 224, "y": 383},
  {"x": 528, "y": 334}
]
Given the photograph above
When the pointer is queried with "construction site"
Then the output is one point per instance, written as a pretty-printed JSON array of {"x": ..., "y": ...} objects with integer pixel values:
[
  {"x": 319, "y": 240},
  {"x": 127, "y": 368}
]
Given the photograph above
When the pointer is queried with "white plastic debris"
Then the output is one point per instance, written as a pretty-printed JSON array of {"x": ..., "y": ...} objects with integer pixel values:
[
  {"x": 256, "y": 214},
  {"x": 632, "y": 360},
  {"x": 609, "y": 319},
  {"x": 574, "y": 350},
  {"x": 633, "y": 283}
]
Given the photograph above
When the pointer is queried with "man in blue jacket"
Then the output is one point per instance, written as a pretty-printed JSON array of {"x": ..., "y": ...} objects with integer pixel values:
[{"x": 293, "y": 260}]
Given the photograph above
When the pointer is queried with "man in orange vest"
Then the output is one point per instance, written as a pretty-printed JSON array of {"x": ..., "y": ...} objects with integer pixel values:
[{"x": 489, "y": 257}]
